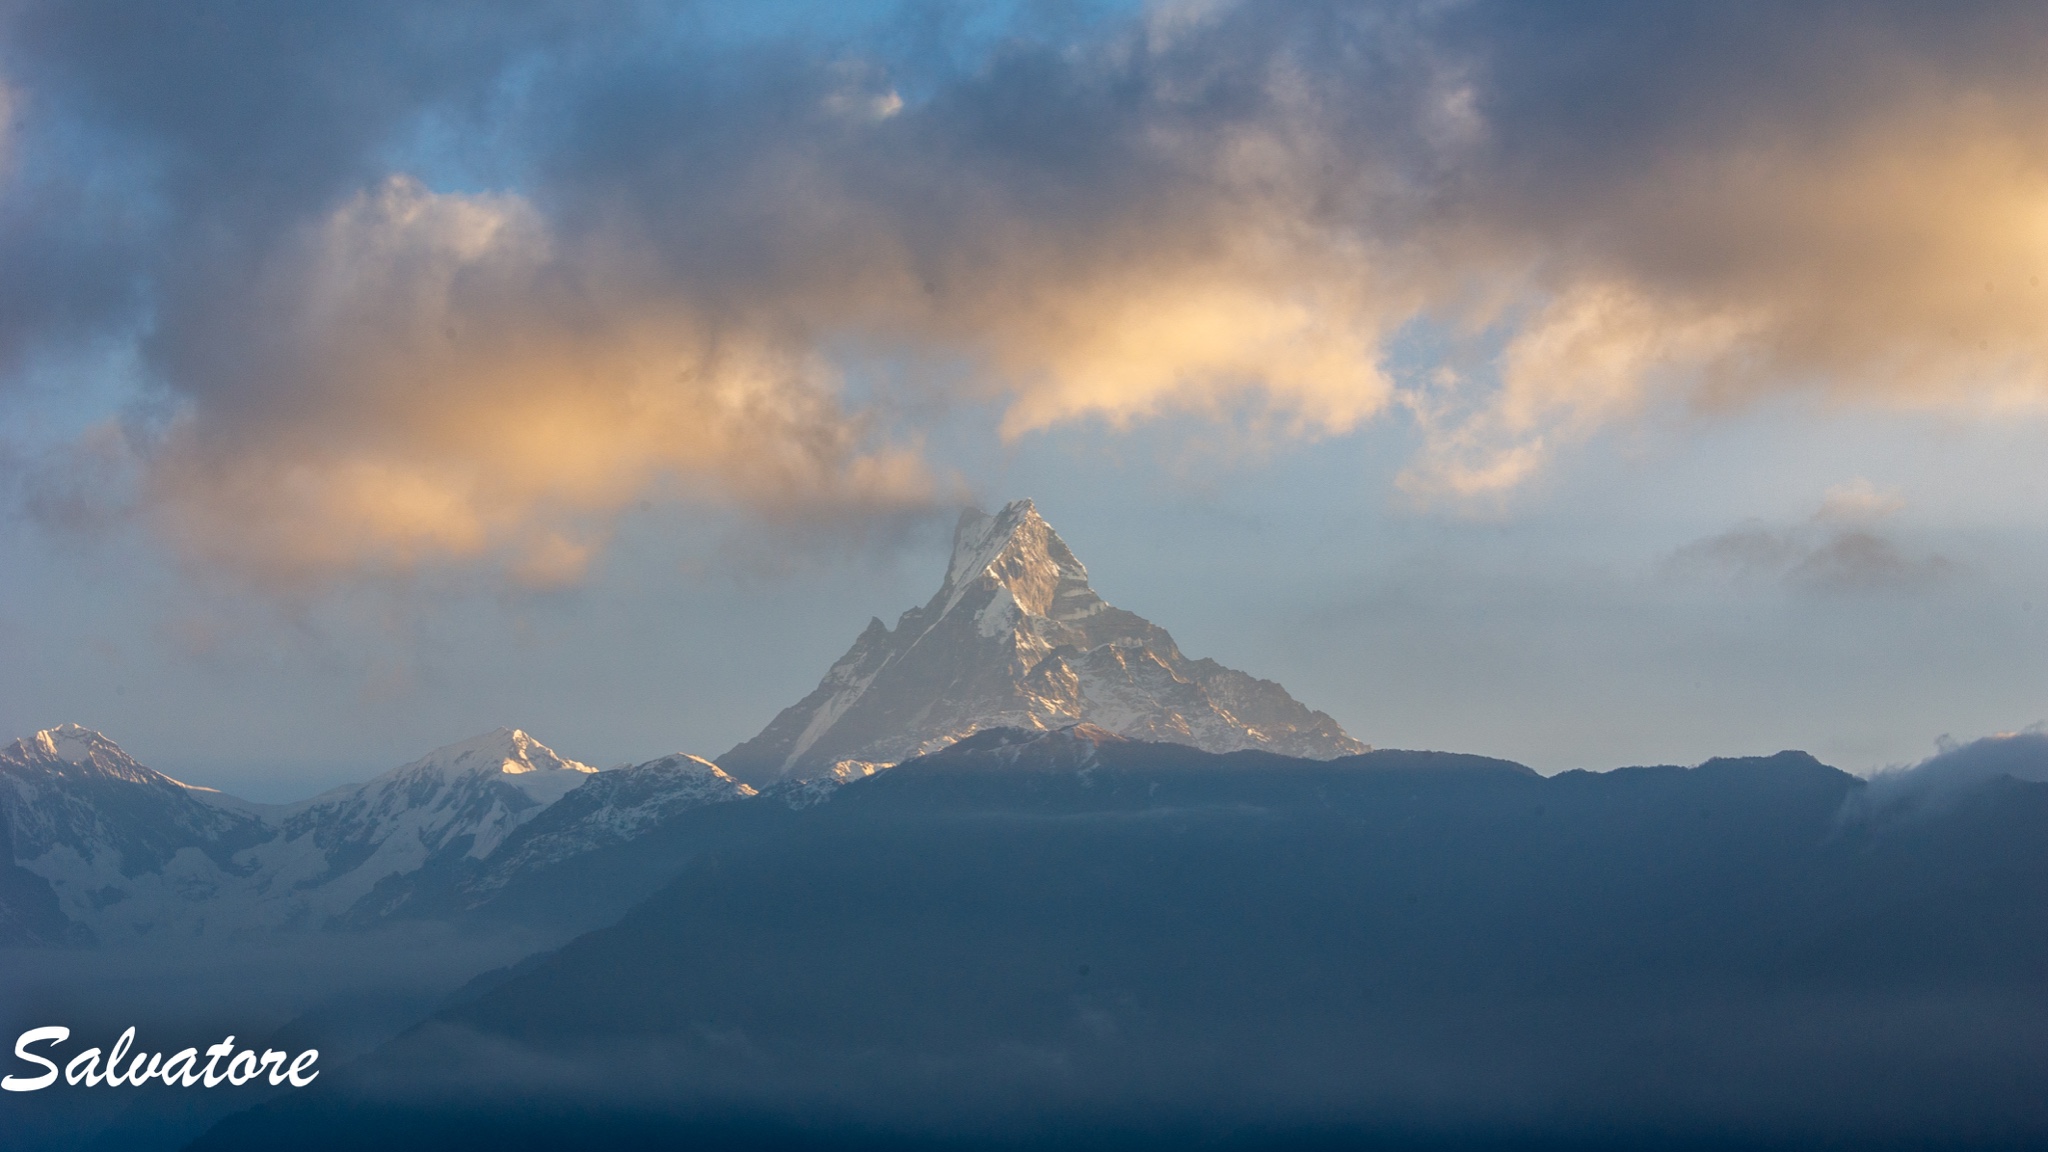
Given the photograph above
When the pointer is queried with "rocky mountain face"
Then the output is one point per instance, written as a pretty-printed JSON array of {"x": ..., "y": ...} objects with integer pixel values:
[
  {"x": 102, "y": 848},
  {"x": 1015, "y": 637}
]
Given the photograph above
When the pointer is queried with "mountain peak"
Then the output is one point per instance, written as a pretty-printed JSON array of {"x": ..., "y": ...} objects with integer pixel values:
[
  {"x": 979, "y": 538},
  {"x": 75, "y": 744},
  {"x": 1015, "y": 637},
  {"x": 73, "y": 749},
  {"x": 472, "y": 793},
  {"x": 501, "y": 751},
  {"x": 1016, "y": 550}
]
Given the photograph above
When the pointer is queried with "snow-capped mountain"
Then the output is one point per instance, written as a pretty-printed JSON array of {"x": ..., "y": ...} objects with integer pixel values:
[
  {"x": 461, "y": 800},
  {"x": 68, "y": 786},
  {"x": 612, "y": 808},
  {"x": 104, "y": 848},
  {"x": 615, "y": 807},
  {"x": 114, "y": 842},
  {"x": 95, "y": 845},
  {"x": 1016, "y": 638}
]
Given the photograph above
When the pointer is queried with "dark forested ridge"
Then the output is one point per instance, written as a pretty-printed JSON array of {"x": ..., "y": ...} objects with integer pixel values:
[{"x": 1054, "y": 938}]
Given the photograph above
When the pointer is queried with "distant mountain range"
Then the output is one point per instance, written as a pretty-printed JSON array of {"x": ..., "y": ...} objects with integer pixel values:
[
  {"x": 102, "y": 848},
  {"x": 1019, "y": 868}
]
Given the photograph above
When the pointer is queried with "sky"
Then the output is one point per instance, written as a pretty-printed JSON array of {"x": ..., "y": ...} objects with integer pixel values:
[{"x": 1585, "y": 383}]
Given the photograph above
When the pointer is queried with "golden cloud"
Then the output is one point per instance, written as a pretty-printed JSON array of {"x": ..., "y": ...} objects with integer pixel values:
[
  {"x": 442, "y": 381},
  {"x": 1898, "y": 261},
  {"x": 436, "y": 384}
]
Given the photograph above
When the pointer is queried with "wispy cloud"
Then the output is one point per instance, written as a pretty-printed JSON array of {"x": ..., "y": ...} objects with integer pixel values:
[
  {"x": 1956, "y": 768},
  {"x": 1842, "y": 548}
]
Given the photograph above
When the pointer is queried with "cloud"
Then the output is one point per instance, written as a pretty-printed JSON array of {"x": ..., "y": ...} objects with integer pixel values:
[
  {"x": 632, "y": 260},
  {"x": 1589, "y": 358},
  {"x": 1956, "y": 768},
  {"x": 1831, "y": 561},
  {"x": 1841, "y": 549},
  {"x": 1077, "y": 225},
  {"x": 424, "y": 377},
  {"x": 1858, "y": 500},
  {"x": 7, "y": 100},
  {"x": 1867, "y": 225}
]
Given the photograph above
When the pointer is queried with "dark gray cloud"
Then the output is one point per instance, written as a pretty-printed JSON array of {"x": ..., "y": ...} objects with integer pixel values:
[
  {"x": 1828, "y": 560},
  {"x": 1844, "y": 548}
]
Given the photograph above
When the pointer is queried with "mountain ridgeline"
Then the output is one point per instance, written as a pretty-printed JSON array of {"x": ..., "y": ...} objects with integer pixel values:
[
  {"x": 105, "y": 850},
  {"x": 1019, "y": 872},
  {"x": 1070, "y": 938}
]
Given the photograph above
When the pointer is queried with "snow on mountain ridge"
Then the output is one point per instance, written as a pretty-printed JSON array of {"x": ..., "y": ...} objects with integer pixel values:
[
  {"x": 115, "y": 843},
  {"x": 461, "y": 799},
  {"x": 130, "y": 853},
  {"x": 614, "y": 806},
  {"x": 1018, "y": 550},
  {"x": 1016, "y": 637},
  {"x": 72, "y": 743},
  {"x": 74, "y": 746},
  {"x": 528, "y": 764}
]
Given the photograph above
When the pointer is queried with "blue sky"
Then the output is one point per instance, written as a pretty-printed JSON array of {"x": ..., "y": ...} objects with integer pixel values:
[{"x": 1582, "y": 386}]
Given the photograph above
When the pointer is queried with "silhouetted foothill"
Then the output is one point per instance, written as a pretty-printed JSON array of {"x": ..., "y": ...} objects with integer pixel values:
[{"x": 1044, "y": 937}]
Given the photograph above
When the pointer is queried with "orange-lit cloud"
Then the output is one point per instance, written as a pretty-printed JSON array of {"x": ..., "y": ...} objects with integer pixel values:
[
  {"x": 433, "y": 382},
  {"x": 1898, "y": 260}
]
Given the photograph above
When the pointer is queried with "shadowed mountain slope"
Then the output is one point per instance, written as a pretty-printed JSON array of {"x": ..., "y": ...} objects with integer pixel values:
[{"x": 1068, "y": 937}]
